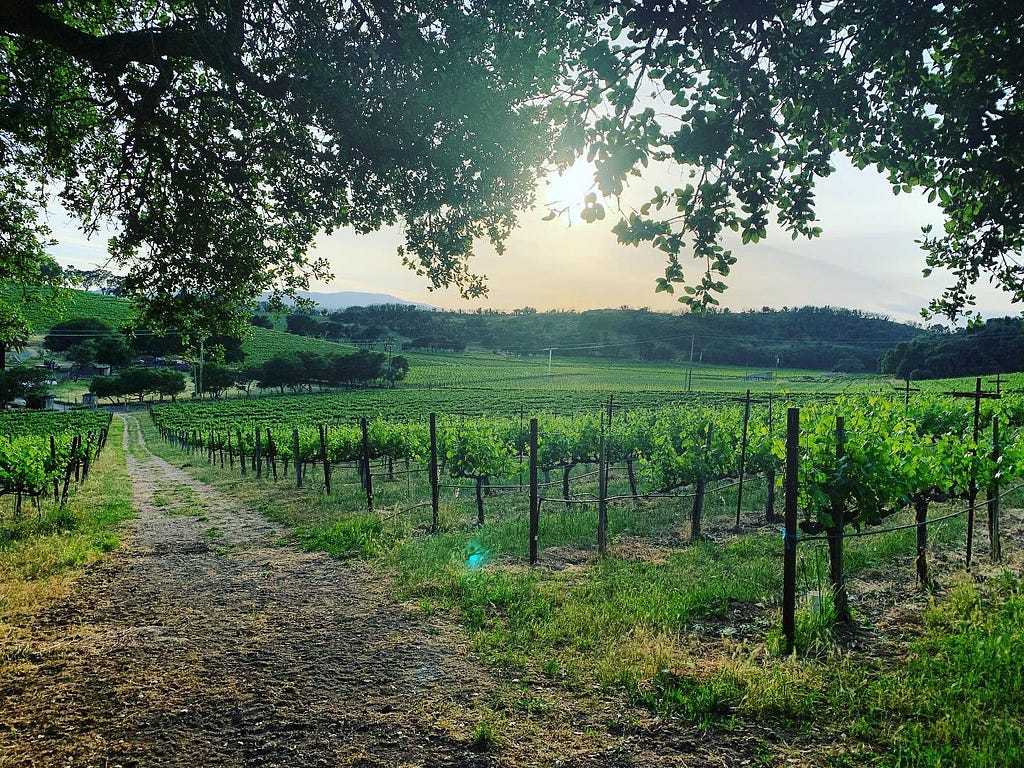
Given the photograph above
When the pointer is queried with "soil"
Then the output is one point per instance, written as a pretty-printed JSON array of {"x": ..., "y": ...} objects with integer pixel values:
[{"x": 209, "y": 641}]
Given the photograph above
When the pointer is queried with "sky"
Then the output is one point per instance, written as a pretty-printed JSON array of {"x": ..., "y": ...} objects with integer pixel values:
[{"x": 866, "y": 259}]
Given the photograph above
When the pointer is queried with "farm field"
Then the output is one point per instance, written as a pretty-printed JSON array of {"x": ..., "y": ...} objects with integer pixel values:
[{"x": 611, "y": 376}]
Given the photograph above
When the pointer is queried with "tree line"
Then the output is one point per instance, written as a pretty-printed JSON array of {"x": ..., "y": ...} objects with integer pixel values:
[
  {"x": 822, "y": 338},
  {"x": 996, "y": 346},
  {"x": 302, "y": 372}
]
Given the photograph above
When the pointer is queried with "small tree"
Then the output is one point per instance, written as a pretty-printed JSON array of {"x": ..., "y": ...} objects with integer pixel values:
[
  {"x": 63, "y": 336},
  {"x": 22, "y": 381},
  {"x": 217, "y": 378},
  {"x": 397, "y": 368},
  {"x": 14, "y": 332},
  {"x": 170, "y": 383}
]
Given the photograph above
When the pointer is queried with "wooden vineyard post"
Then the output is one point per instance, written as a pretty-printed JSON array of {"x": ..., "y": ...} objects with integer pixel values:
[
  {"x": 480, "y": 500},
  {"x": 835, "y": 536},
  {"x": 921, "y": 518},
  {"x": 258, "y": 455},
  {"x": 607, "y": 464},
  {"x": 366, "y": 464},
  {"x": 76, "y": 443},
  {"x": 973, "y": 488},
  {"x": 534, "y": 495},
  {"x": 972, "y": 493},
  {"x": 790, "y": 536},
  {"x": 995, "y": 544},
  {"x": 743, "y": 456},
  {"x": 296, "y": 458},
  {"x": 698, "y": 493},
  {"x": 88, "y": 456},
  {"x": 53, "y": 464},
  {"x": 323, "y": 456},
  {"x": 602, "y": 497},
  {"x": 241, "y": 451},
  {"x": 769, "y": 500},
  {"x": 272, "y": 453},
  {"x": 434, "y": 489}
]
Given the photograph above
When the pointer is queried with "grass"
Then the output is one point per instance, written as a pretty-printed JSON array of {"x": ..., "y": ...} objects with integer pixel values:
[{"x": 39, "y": 565}]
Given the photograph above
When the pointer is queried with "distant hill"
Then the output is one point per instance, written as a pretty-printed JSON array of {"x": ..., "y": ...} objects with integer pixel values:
[
  {"x": 259, "y": 346},
  {"x": 815, "y": 338},
  {"x": 346, "y": 299}
]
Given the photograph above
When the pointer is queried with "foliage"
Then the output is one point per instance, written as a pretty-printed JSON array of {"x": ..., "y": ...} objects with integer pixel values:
[
  {"x": 27, "y": 463},
  {"x": 303, "y": 370},
  {"x": 793, "y": 337},
  {"x": 997, "y": 346},
  {"x": 753, "y": 99},
  {"x": 139, "y": 382},
  {"x": 222, "y": 138},
  {"x": 25, "y": 382},
  {"x": 68, "y": 333},
  {"x": 14, "y": 331}
]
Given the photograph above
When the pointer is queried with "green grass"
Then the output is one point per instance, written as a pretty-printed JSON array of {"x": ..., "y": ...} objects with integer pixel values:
[
  {"x": 957, "y": 701},
  {"x": 585, "y": 375}
]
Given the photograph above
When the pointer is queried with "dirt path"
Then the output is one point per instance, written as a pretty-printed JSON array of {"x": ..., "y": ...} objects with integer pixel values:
[{"x": 203, "y": 642}]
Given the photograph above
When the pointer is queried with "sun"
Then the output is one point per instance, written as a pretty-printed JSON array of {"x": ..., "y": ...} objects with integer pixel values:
[{"x": 567, "y": 191}]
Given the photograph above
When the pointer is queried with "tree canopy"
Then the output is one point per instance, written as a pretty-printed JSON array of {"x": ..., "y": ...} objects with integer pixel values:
[
  {"x": 221, "y": 136},
  {"x": 756, "y": 96}
]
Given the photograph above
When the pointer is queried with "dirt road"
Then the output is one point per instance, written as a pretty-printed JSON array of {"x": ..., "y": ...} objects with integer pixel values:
[{"x": 204, "y": 642}]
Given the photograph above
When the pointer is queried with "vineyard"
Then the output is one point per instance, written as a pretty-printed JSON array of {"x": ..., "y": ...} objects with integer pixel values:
[
  {"x": 860, "y": 461},
  {"x": 43, "y": 453}
]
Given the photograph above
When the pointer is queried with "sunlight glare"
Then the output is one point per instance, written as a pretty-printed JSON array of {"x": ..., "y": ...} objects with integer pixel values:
[{"x": 567, "y": 190}]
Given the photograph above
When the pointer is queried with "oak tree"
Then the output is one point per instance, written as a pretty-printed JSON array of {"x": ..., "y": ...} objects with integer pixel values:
[
  {"x": 756, "y": 97},
  {"x": 220, "y": 137}
]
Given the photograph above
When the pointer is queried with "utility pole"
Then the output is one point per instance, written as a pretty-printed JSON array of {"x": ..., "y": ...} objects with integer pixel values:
[
  {"x": 689, "y": 370},
  {"x": 550, "y": 350},
  {"x": 199, "y": 383}
]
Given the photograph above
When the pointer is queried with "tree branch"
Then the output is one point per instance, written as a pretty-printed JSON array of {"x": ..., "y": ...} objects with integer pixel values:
[{"x": 146, "y": 46}]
